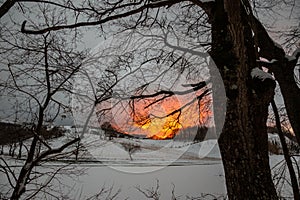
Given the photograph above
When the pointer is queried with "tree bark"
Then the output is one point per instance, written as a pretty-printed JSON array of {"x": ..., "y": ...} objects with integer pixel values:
[
  {"x": 23, "y": 177},
  {"x": 291, "y": 94},
  {"x": 283, "y": 70},
  {"x": 243, "y": 141}
]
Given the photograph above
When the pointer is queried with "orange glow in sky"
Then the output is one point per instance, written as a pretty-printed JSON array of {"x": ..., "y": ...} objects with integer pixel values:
[{"x": 160, "y": 119}]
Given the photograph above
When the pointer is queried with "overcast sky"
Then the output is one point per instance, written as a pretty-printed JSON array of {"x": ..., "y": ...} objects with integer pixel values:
[{"x": 280, "y": 19}]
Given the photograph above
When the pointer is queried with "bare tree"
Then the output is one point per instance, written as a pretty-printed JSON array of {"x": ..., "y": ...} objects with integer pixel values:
[
  {"x": 131, "y": 148},
  {"x": 282, "y": 60},
  {"x": 243, "y": 141},
  {"x": 152, "y": 193},
  {"x": 286, "y": 153},
  {"x": 39, "y": 70},
  {"x": 109, "y": 193}
]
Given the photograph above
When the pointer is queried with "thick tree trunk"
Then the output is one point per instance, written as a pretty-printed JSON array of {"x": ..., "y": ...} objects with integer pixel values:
[
  {"x": 284, "y": 73},
  {"x": 291, "y": 95},
  {"x": 243, "y": 141}
]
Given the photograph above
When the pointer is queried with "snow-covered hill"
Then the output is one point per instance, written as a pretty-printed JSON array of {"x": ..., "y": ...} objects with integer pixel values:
[{"x": 154, "y": 152}]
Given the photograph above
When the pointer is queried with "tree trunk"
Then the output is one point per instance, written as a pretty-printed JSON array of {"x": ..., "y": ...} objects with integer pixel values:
[
  {"x": 290, "y": 93},
  {"x": 284, "y": 73},
  {"x": 243, "y": 141},
  {"x": 20, "y": 149},
  {"x": 20, "y": 187},
  {"x": 286, "y": 153}
]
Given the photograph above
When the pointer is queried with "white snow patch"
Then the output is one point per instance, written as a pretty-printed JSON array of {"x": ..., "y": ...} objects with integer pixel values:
[
  {"x": 281, "y": 175},
  {"x": 260, "y": 74},
  {"x": 290, "y": 58},
  {"x": 207, "y": 148},
  {"x": 275, "y": 137},
  {"x": 294, "y": 56},
  {"x": 296, "y": 52},
  {"x": 151, "y": 151},
  {"x": 263, "y": 60},
  {"x": 277, "y": 45}
]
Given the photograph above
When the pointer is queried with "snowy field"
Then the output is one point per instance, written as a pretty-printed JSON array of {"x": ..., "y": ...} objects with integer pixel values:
[
  {"x": 190, "y": 180},
  {"x": 190, "y": 168},
  {"x": 150, "y": 152}
]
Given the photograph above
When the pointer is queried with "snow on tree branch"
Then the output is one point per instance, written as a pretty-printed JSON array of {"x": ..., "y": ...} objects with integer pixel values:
[
  {"x": 260, "y": 74},
  {"x": 294, "y": 56}
]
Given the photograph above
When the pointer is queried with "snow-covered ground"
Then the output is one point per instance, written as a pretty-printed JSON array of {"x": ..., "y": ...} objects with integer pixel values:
[
  {"x": 151, "y": 152},
  {"x": 192, "y": 168},
  {"x": 191, "y": 180},
  {"x": 140, "y": 152},
  {"x": 182, "y": 164}
]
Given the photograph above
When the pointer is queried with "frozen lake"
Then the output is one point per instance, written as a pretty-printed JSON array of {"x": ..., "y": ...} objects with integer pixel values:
[
  {"x": 191, "y": 180},
  {"x": 192, "y": 169},
  {"x": 173, "y": 164}
]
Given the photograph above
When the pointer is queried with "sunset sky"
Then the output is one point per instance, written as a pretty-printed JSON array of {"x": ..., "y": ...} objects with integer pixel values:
[{"x": 158, "y": 119}]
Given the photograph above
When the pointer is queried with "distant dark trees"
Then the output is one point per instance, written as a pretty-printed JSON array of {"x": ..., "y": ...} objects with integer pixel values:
[
  {"x": 110, "y": 132},
  {"x": 196, "y": 133},
  {"x": 14, "y": 136}
]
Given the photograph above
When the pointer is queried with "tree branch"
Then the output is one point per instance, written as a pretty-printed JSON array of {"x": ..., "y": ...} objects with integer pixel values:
[
  {"x": 54, "y": 151},
  {"x": 196, "y": 87},
  {"x": 206, "y": 92},
  {"x": 102, "y": 21},
  {"x": 6, "y": 6},
  {"x": 207, "y": 6},
  {"x": 7, "y": 172},
  {"x": 268, "y": 48}
]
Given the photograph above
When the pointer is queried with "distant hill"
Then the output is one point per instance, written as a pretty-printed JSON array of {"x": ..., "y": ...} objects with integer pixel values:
[{"x": 12, "y": 133}]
